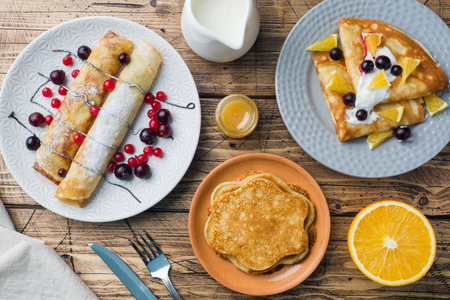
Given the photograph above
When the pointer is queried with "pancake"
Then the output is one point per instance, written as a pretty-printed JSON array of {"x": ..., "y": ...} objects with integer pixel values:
[
  {"x": 428, "y": 78},
  {"x": 259, "y": 222},
  {"x": 412, "y": 114}
]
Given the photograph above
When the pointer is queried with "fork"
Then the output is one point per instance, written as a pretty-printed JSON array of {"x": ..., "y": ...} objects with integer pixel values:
[{"x": 156, "y": 261}]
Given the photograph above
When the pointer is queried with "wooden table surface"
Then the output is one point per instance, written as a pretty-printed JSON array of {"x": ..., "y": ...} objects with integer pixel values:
[{"x": 426, "y": 188}]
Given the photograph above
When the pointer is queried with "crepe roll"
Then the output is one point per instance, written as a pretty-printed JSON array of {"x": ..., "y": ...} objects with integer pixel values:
[
  {"x": 123, "y": 102},
  {"x": 74, "y": 111}
]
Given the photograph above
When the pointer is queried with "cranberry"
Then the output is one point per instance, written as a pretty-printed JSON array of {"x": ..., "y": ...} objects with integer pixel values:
[
  {"x": 67, "y": 60},
  {"x": 148, "y": 150},
  {"x": 349, "y": 99},
  {"x": 75, "y": 73},
  {"x": 152, "y": 113},
  {"x": 149, "y": 98},
  {"x": 62, "y": 91},
  {"x": 109, "y": 84},
  {"x": 396, "y": 70},
  {"x": 157, "y": 152},
  {"x": 154, "y": 124},
  {"x": 164, "y": 130},
  {"x": 62, "y": 172},
  {"x": 123, "y": 171},
  {"x": 148, "y": 136},
  {"x": 112, "y": 166},
  {"x": 36, "y": 119},
  {"x": 142, "y": 158},
  {"x": 402, "y": 133},
  {"x": 47, "y": 92},
  {"x": 57, "y": 76},
  {"x": 56, "y": 103},
  {"x": 32, "y": 143},
  {"x": 84, "y": 52},
  {"x": 48, "y": 119},
  {"x": 367, "y": 66},
  {"x": 336, "y": 53},
  {"x": 78, "y": 138},
  {"x": 142, "y": 170},
  {"x": 383, "y": 62},
  {"x": 361, "y": 114},
  {"x": 156, "y": 105},
  {"x": 161, "y": 96},
  {"x": 94, "y": 110},
  {"x": 163, "y": 115},
  {"x": 124, "y": 58},
  {"x": 119, "y": 157},
  {"x": 132, "y": 161},
  {"x": 129, "y": 148}
]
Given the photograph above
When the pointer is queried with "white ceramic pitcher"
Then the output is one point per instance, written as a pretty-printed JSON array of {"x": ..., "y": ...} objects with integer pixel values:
[{"x": 213, "y": 45}]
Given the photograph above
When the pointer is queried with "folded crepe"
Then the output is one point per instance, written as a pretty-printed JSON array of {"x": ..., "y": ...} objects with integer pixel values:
[
  {"x": 412, "y": 114},
  {"x": 428, "y": 78},
  {"x": 74, "y": 112},
  {"x": 123, "y": 102}
]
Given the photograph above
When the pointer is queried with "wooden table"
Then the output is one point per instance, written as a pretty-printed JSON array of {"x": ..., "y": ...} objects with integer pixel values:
[{"x": 426, "y": 188}]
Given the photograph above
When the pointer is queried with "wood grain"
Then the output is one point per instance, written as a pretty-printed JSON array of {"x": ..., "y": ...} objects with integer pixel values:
[{"x": 427, "y": 187}]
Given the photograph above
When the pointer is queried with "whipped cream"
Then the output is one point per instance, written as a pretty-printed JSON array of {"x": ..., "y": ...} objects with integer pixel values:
[{"x": 368, "y": 98}]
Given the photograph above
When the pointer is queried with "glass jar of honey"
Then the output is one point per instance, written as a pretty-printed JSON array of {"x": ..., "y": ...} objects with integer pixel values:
[{"x": 237, "y": 115}]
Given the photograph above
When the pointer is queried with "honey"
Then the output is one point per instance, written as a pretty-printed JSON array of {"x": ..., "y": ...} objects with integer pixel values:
[{"x": 236, "y": 115}]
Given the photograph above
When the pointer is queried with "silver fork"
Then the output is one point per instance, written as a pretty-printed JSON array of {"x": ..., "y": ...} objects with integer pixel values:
[{"x": 156, "y": 261}]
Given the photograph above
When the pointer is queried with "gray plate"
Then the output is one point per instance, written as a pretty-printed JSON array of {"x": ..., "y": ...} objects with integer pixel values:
[{"x": 303, "y": 106}]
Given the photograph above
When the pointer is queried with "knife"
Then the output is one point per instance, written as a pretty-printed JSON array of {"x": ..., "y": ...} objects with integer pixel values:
[{"x": 125, "y": 274}]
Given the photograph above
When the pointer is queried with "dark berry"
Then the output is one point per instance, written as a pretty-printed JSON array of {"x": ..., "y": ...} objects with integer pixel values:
[
  {"x": 383, "y": 62},
  {"x": 129, "y": 148},
  {"x": 67, "y": 60},
  {"x": 123, "y": 171},
  {"x": 36, "y": 119},
  {"x": 349, "y": 99},
  {"x": 396, "y": 70},
  {"x": 367, "y": 66},
  {"x": 119, "y": 157},
  {"x": 142, "y": 170},
  {"x": 164, "y": 130},
  {"x": 48, "y": 119},
  {"x": 402, "y": 133},
  {"x": 124, "y": 58},
  {"x": 84, "y": 52},
  {"x": 62, "y": 172},
  {"x": 336, "y": 53},
  {"x": 132, "y": 161},
  {"x": 149, "y": 98},
  {"x": 163, "y": 115},
  {"x": 57, "y": 76},
  {"x": 161, "y": 96},
  {"x": 361, "y": 114},
  {"x": 148, "y": 136},
  {"x": 32, "y": 143}
]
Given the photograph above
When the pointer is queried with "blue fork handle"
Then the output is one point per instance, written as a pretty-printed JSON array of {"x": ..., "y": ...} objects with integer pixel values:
[{"x": 173, "y": 292}]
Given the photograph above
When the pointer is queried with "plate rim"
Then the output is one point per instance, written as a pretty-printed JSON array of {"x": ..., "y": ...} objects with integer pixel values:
[{"x": 193, "y": 222}]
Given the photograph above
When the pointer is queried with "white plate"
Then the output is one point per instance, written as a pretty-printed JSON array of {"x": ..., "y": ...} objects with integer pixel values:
[
  {"x": 303, "y": 106},
  {"x": 108, "y": 203}
]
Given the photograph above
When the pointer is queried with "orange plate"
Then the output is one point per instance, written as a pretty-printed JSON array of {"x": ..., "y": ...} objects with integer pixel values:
[{"x": 224, "y": 271}]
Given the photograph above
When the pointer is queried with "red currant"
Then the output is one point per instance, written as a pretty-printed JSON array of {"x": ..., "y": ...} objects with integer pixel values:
[
  {"x": 119, "y": 157},
  {"x": 67, "y": 60},
  {"x": 109, "y": 84},
  {"x": 47, "y": 92},
  {"x": 132, "y": 161},
  {"x": 56, "y": 103},
  {"x": 129, "y": 148},
  {"x": 149, "y": 98},
  {"x": 94, "y": 110},
  {"x": 48, "y": 119},
  {"x": 157, "y": 152},
  {"x": 154, "y": 124},
  {"x": 161, "y": 96},
  {"x": 148, "y": 150},
  {"x": 156, "y": 105},
  {"x": 62, "y": 91},
  {"x": 75, "y": 73},
  {"x": 112, "y": 165},
  {"x": 142, "y": 158},
  {"x": 78, "y": 138},
  {"x": 152, "y": 113}
]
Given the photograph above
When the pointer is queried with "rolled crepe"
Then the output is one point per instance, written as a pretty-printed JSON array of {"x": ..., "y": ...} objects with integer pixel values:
[
  {"x": 73, "y": 110},
  {"x": 123, "y": 102},
  {"x": 412, "y": 113}
]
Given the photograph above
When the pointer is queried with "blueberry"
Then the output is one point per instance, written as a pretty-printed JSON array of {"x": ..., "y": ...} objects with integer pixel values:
[
  {"x": 383, "y": 62},
  {"x": 33, "y": 143},
  {"x": 336, "y": 53},
  {"x": 396, "y": 70},
  {"x": 402, "y": 133},
  {"x": 361, "y": 114},
  {"x": 367, "y": 66},
  {"x": 349, "y": 99}
]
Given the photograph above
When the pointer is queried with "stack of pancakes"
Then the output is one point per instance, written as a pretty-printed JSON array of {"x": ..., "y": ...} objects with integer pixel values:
[{"x": 259, "y": 222}]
